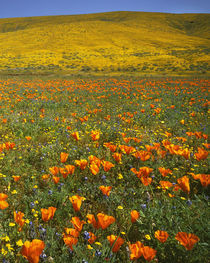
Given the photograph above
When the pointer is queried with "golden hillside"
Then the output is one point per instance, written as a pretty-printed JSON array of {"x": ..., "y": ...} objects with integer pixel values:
[{"x": 107, "y": 42}]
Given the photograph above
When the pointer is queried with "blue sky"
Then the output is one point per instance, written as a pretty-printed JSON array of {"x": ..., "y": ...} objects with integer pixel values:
[{"x": 24, "y": 8}]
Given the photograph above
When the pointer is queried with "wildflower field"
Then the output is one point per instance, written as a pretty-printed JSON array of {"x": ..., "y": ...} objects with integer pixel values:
[{"x": 104, "y": 170}]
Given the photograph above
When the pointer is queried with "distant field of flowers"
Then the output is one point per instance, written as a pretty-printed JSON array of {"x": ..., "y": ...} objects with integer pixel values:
[{"x": 104, "y": 170}]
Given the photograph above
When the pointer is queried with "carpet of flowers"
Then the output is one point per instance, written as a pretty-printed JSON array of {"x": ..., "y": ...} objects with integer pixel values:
[{"x": 104, "y": 170}]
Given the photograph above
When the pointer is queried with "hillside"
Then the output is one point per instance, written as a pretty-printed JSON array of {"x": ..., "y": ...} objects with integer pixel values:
[{"x": 107, "y": 42}]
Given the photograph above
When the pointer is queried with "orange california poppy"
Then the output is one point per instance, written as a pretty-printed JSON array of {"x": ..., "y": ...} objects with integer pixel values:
[
  {"x": 64, "y": 172},
  {"x": 54, "y": 170},
  {"x": 28, "y": 138},
  {"x": 16, "y": 178},
  {"x": 134, "y": 215},
  {"x": 70, "y": 241},
  {"x": 201, "y": 154},
  {"x": 104, "y": 220},
  {"x": 164, "y": 172},
  {"x": 77, "y": 223},
  {"x": 48, "y": 213},
  {"x": 162, "y": 236},
  {"x": 32, "y": 250},
  {"x": 111, "y": 147},
  {"x": 92, "y": 220},
  {"x": 165, "y": 184},
  {"x": 76, "y": 201},
  {"x": 81, "y": 163},
  {"x": 204, "y": 179},
  {"x": 187, "y": 240},
  {"x": 185, "y": 153},
  {"x": 70, "y": 169},
  {"x": 3, "y": 203},
  {"x": 18, "y": 217},
  {"x": 94, "y": 168},
  {"x": 95, "y": 135},
  {"x": 64, "y": 157},
  {"x": 105, "y": 189},
  {"x": 136, "y": 250},
  {"x": 142, "y": 155},
  {"x": 146, "y": 180},
  {"x": 184, "y": 184},
  {"x": 75, "y": 135},
  {"x": 117, "y": 157},
  {"x": 107, "y": 165},
  {"x": 92, "y": 238},
  {"x": 56, "y": 179},
  {"x": 71, "y": 232},
  {"x": 127, "y": 149},
  {"x": 94, "y": 159},
  {"x": 148, "y": 253},
  {"x": 115, "y": 242}
]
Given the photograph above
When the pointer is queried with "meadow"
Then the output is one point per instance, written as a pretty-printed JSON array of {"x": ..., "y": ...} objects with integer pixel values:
[{"x": 104, "y": 170}]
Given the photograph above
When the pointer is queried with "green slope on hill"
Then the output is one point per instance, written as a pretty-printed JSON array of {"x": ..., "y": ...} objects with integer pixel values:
[{"x": 107, "y": 42}]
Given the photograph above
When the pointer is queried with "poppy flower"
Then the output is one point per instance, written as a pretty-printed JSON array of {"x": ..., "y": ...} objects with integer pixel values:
[
  {"x": 201, "y": 154},
  {"x": 185, "y": 153},
  {"x": 136, "y": 250},
  {"x": 165, "y": 184},
  {"x": 148, "y": 253},
  {"x": 54, "y": 170},
  {"x": 77, "y": 223},
  {"x": 16, "y": 178},
  {"x": 111, "y": 147},
  {"x": 92, "y": 238},
  {"x": 95, "y": 135},
  {"x": 143, "y": 155},
  {"x": 187, "y": 240},
  {"x": 3, "y": 203},
  {"x": 94, "y": 159},
  {"x": 81, "y": 163},
  {"x": 18, "y": 217},
  {"x": 64, "y": 172},
  {"x": 184, "y": 184},
  {"x": 92, "y": 220},
  {"x": 134, "y": 215},
  {"x": 71, "y": 232},
  {"x": 104, "y": 220},
  {"x": 143, "y": 174},
  {"x": 76, "y": 201},
  {"x": 70, "y": 169},
  {"x": 32, "y": 250},
  {"x": 105, "y": 189},
  {"x": 70, "y": 241},
  {"x": 64, "y": 157},
  {"x": 48, "y": 213},
  {"x": 204, "y": 179},
  {"x": 127, "y": 149},
  {"x": 146, "y": 180},
  {"x": 162, "y": 236},
  {"x": 117, "y": 157},
  {"x": 164, "y": 172},
  {"x": 117, "y": 241},
  {"x": 107, "y": 165},
  {"x": 75, "y": 135},
  {"x": 94, "y": 168},
  {"x": 56, "y": 179},
  {"x": 126, "y": 139}
]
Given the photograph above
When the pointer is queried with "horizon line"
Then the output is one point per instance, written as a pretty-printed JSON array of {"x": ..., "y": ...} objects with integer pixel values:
[{"x": 158, "y": 12}]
